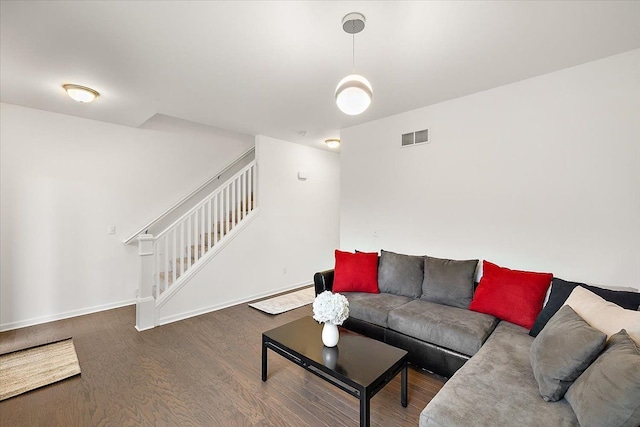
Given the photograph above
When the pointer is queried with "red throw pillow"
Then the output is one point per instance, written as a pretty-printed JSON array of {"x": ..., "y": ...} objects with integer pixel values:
[
  {"x": 356, "y": 272},
  {"x": 511, "y": 295}
]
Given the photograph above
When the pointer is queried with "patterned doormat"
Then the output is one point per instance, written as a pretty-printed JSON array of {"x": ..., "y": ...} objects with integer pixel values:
[
  {"x": 286, "y": 302},
  {"x": 31, "y": 368}
]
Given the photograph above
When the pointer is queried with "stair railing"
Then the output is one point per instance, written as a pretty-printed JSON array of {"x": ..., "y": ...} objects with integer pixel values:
[
  {"x": 172, "y": 256},
  {"x": 194, "y": 192}
]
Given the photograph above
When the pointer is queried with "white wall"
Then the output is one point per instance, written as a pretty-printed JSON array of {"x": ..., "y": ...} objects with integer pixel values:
[
  {"x": 543, "y": 174},
  {"x": 297, "y": 229},
  {"x": 65, "y": 180}
]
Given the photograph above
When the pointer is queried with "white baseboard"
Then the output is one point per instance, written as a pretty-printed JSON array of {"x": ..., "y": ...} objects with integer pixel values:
[
  {"x": 220, "y": 306},
  {"x": 166, "y": 320},
  {"x": 65, "y": 315}
]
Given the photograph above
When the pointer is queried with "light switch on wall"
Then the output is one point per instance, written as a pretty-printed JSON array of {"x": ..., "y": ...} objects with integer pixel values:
[{"x": 112, "y": 229}]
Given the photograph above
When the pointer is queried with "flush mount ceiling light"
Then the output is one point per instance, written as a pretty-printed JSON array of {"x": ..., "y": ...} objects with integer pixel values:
[
  {"x": 354, "y": 92},
  {"x": 80, "y": 93},
  {"x": 332, "y": 142}
]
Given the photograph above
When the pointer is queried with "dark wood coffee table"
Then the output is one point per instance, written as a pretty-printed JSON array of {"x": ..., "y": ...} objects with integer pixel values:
[{"x": 358, "y": 365}]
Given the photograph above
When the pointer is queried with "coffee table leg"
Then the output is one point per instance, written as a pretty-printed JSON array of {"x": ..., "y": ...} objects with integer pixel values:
[
  {"x": 365, "y": 407},
  {"x": 264, "y": 360},
  {"x": 403, "y": 392}
]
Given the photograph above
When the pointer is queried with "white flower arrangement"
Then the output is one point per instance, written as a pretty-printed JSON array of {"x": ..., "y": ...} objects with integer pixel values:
[{"x": 330, "y": 307}]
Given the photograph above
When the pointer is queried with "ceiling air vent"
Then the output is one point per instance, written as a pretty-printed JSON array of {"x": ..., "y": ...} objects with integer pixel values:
[{"x": 415, "y": 138}]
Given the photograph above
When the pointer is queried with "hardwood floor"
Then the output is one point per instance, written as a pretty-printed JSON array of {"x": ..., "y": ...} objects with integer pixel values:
[{"x": 203, "y": 371}]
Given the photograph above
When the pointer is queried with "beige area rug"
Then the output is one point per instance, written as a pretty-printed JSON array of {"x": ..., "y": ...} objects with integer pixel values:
[
  {"x": 286, "y": 302},
  {"x": 25, "y": 370}
]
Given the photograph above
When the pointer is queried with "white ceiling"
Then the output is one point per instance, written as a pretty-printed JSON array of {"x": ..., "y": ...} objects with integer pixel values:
[{"x": 271, "y": 67}]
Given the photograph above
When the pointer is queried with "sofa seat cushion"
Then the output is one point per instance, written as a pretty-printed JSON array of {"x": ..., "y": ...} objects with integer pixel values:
[
  {"x": 496, "y": 387},
  {"x": 454, "y": 328},
  {"x": 373, "y": 308}
]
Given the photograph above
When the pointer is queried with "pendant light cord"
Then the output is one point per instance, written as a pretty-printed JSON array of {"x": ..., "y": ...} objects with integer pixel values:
[{"x": 353, "y": 48}]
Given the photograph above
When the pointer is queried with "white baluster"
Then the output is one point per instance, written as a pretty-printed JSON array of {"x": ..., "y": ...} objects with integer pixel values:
[
  {"x": 156, "y": 268},
  {"x": 226, "y": 210},
  {"x": 189, "y": 256},
  {"x": 195, "y": 237},
  {"x": 209, "y": 225},
  {"x": 203, "y": 230},
  {"x": 182, "y": 248},
  {"x": 215, "y": 219},
  {"x": 240, "y": 199},
  {"x": 165, "y": 284},
  {"x": 174, "y": 256},
  {"x": 241, "y": 194},
  {"x": 246, "y": 193},
  {"x": 233, "y": 203}
]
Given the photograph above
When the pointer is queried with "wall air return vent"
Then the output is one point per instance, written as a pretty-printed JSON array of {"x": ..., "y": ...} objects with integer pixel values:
[{"x": 415, "y": 138}]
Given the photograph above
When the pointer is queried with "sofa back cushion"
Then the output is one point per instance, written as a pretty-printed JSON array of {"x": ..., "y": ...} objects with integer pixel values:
[
  {"x": 606, "y": 316},
  {"x": 356, "y": 272},
  {"x": 448, "y": 281},
  {"x": 512, "y": 295},
  {"x": 400, "y": 274},
  {"x": 560, "y": 291}
]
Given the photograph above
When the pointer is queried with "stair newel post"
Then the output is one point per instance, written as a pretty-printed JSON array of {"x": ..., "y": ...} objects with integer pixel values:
[{"x": 146, "y": 303}]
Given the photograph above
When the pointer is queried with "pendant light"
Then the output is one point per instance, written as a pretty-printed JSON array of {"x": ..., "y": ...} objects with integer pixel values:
[{"x": 354, "y": 92}]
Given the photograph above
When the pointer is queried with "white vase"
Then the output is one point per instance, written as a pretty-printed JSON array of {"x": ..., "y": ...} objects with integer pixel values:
[{"x": 330, "y": 334}]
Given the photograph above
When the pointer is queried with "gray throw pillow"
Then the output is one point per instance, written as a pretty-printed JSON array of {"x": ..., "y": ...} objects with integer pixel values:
[
  {"x": 562, "y": 351},
  {"x": 448, "y": 281},
  {"x": 607, "y": 394},
  {"x": 400, "y": 274}
]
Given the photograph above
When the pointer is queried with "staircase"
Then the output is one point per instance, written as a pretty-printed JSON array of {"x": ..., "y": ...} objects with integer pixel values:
[
  {"x": 202, "y": 245},
  {"x": 172, "y": 257}
]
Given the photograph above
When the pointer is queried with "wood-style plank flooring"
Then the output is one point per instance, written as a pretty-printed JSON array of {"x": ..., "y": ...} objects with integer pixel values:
[{"x": 203, "y": 371}]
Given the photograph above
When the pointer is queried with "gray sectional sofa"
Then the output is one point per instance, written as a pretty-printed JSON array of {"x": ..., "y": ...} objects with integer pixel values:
[
  {"x": 487, "y": 360},
  {"x": 439, "y": 336},
  {"x": 497, "y": 388}
]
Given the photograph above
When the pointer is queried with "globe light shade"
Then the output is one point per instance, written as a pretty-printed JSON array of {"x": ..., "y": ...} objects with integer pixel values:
[
  {"x": 353, "y": 94},
  {"x": 80, "y": 93}
]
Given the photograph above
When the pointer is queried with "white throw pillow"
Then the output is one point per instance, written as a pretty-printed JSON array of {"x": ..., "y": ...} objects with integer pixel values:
[{"x": 603, "y": 315}]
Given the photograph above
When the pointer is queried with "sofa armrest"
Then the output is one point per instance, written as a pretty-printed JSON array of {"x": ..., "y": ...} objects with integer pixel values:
[{"x": 323, "y": 281}]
